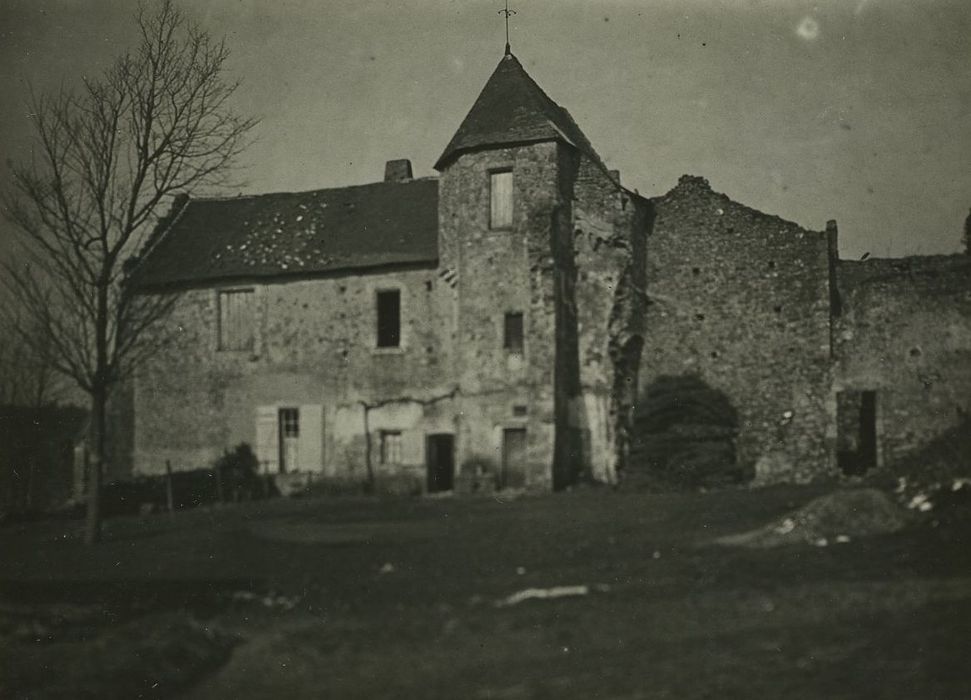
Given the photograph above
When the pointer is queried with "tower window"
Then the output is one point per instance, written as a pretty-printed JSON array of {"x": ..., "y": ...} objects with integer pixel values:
[
  {"x": 389, "y": 318},
  {"x": 512, "y": 337},
  {"x": 500, "y": 189}
]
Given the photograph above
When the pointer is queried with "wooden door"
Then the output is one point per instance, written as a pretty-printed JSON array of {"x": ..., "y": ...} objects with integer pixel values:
[
  {"x": 513, "y": 458},
  {"x": 440, "y": 458}
]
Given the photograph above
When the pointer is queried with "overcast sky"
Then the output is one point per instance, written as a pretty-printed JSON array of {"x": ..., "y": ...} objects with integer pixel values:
[{"x": 858, "y": 110}]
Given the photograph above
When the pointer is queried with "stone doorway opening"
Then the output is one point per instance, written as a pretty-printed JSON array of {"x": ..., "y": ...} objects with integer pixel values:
[
  {"x": 440, "y": 459},
  {"x": 856, "y": 431}
]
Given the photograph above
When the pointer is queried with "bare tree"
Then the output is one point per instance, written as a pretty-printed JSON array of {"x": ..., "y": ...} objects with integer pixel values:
[
  {"x": 108, "y": 158},
  {"x": 967, "y": 234},
  {"x": 27, "y": 378}
]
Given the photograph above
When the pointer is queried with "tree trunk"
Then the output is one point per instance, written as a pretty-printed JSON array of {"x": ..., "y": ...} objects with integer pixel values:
[{"x": 92, "y": 532}]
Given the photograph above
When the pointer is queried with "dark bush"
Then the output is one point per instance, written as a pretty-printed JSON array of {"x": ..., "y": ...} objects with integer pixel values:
[
  {"x": 683, "y": 437},
  {"x": 37, "y": 458},
  {"x": 477, "y": 474},
  {"x": 233, "y": 477},
  {"x": 240, "y": 474}
]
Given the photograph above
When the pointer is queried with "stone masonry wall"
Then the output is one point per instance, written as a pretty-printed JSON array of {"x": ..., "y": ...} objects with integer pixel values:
[
  {"x": 315, "y": 346},
  {"x": 741, "y": 299},
  {"x": 499, "y": 271},
  {"x": 611, "y": 227},
  {"x": 905, "y": 333}
]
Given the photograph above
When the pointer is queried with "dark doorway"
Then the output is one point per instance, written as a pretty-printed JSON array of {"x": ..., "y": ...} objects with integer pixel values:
[
  {"x": 513, "y": 458},
  {"x": 440, "y": 452},
  {"x": 868, "y": 430},
  {"x": 856, "y": 418}
]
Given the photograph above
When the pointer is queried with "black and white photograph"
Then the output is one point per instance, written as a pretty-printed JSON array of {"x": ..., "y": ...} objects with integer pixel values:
[{"x": 485, "y": 349}]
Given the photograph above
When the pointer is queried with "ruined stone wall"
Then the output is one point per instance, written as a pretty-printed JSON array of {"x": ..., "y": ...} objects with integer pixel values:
[
  {"x": 499, "y": 271},
  {"x": 611, "y": 227},
  {"x": 905, "y": 333},
  {"x": 741, "y": 299},
  {"x": 315, "y": 346}
]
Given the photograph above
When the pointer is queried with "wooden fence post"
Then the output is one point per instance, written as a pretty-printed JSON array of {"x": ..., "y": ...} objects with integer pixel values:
[
  {"x": 219, "y": 482},
  {"x": 169, "y": 498}
]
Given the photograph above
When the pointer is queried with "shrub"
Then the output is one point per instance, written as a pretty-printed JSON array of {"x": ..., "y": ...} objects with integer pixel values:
[{"x": 683, "y": 437}]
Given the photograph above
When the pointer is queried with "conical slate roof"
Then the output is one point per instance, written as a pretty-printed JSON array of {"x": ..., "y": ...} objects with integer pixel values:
[{"x": 512, "y": 108}]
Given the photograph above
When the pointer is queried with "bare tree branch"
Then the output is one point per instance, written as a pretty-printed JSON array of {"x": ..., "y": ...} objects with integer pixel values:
[{"x": 156, "y": 124}]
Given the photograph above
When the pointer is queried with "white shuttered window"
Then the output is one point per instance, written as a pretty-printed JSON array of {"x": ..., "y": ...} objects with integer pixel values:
[
  {"x": 500, "y": 188},
  {"x": 237, "y": 318}
]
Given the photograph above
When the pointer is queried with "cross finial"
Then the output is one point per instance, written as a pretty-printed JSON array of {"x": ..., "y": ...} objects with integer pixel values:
[{"x": 507, "y": 12}]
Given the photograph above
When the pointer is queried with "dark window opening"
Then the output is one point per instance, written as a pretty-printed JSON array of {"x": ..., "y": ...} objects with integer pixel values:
[
  {"x": 512, "y": 338},
  {"x": 519, "y": 411},
  {"x": 389, "y": 318}
]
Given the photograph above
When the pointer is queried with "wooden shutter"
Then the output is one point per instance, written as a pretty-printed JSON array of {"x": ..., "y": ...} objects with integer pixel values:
[
  {"x": 312, "y": 438},
  {"x": 268, "y": 439},
  {"x": 412, "y": 447},
  {"x": 500, "y": 215}
]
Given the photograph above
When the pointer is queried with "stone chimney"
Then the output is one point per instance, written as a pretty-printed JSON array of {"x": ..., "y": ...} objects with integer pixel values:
[{"x": 397, "y": 170}]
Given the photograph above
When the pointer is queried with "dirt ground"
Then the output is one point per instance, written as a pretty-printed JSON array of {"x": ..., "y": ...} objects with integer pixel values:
[{"x": 367, "y": 598}]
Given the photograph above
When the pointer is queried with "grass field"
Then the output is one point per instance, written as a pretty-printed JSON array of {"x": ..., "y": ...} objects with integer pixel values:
[{"x": 362, "y": 598}]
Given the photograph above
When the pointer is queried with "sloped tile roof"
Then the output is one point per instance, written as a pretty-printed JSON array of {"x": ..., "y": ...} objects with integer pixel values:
[
  {"x": 512, "y": 108},
  {"x": 302, "y": 233}
]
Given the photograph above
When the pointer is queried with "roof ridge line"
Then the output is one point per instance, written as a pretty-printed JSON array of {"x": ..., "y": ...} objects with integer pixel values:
[{"x": 239, "y": 197}]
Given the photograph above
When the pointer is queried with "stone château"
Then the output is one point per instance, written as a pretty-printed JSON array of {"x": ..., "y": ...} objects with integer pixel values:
[{"x": 510, "y": 315}]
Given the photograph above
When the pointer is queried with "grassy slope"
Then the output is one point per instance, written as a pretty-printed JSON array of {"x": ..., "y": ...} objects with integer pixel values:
[{"x": 882, "y": 617}]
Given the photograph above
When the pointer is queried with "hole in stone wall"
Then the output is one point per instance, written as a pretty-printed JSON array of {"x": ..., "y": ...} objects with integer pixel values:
[
  {"x": 428, "y": 285},
  {"x": 342, "y": 289},
  {"x": 714, "y": 354},
  {"x": 777, "y": 309},
  {"x": 699, "y": 317},
  {"x": 915, "y": 352},
  {"x": 696, "y": 271},
  {"x": 519, "y": 411},
  {"x": 772, "y": 264}
]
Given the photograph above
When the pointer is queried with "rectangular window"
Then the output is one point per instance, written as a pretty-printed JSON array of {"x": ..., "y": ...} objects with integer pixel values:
[
  {"x": 289, "y": 422},
  {"x": 500, "y": 188},
  {"x": 289, "y": 440},
  {"x": 237, "y": 319},
  {"x": 512, "y": 337},
  {"x": 389, "y": 318},
  {"x": 390, "y": 447}
]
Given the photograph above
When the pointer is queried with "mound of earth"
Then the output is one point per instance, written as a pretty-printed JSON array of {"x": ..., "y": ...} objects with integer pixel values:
[{"x": 836, "y": 517}]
